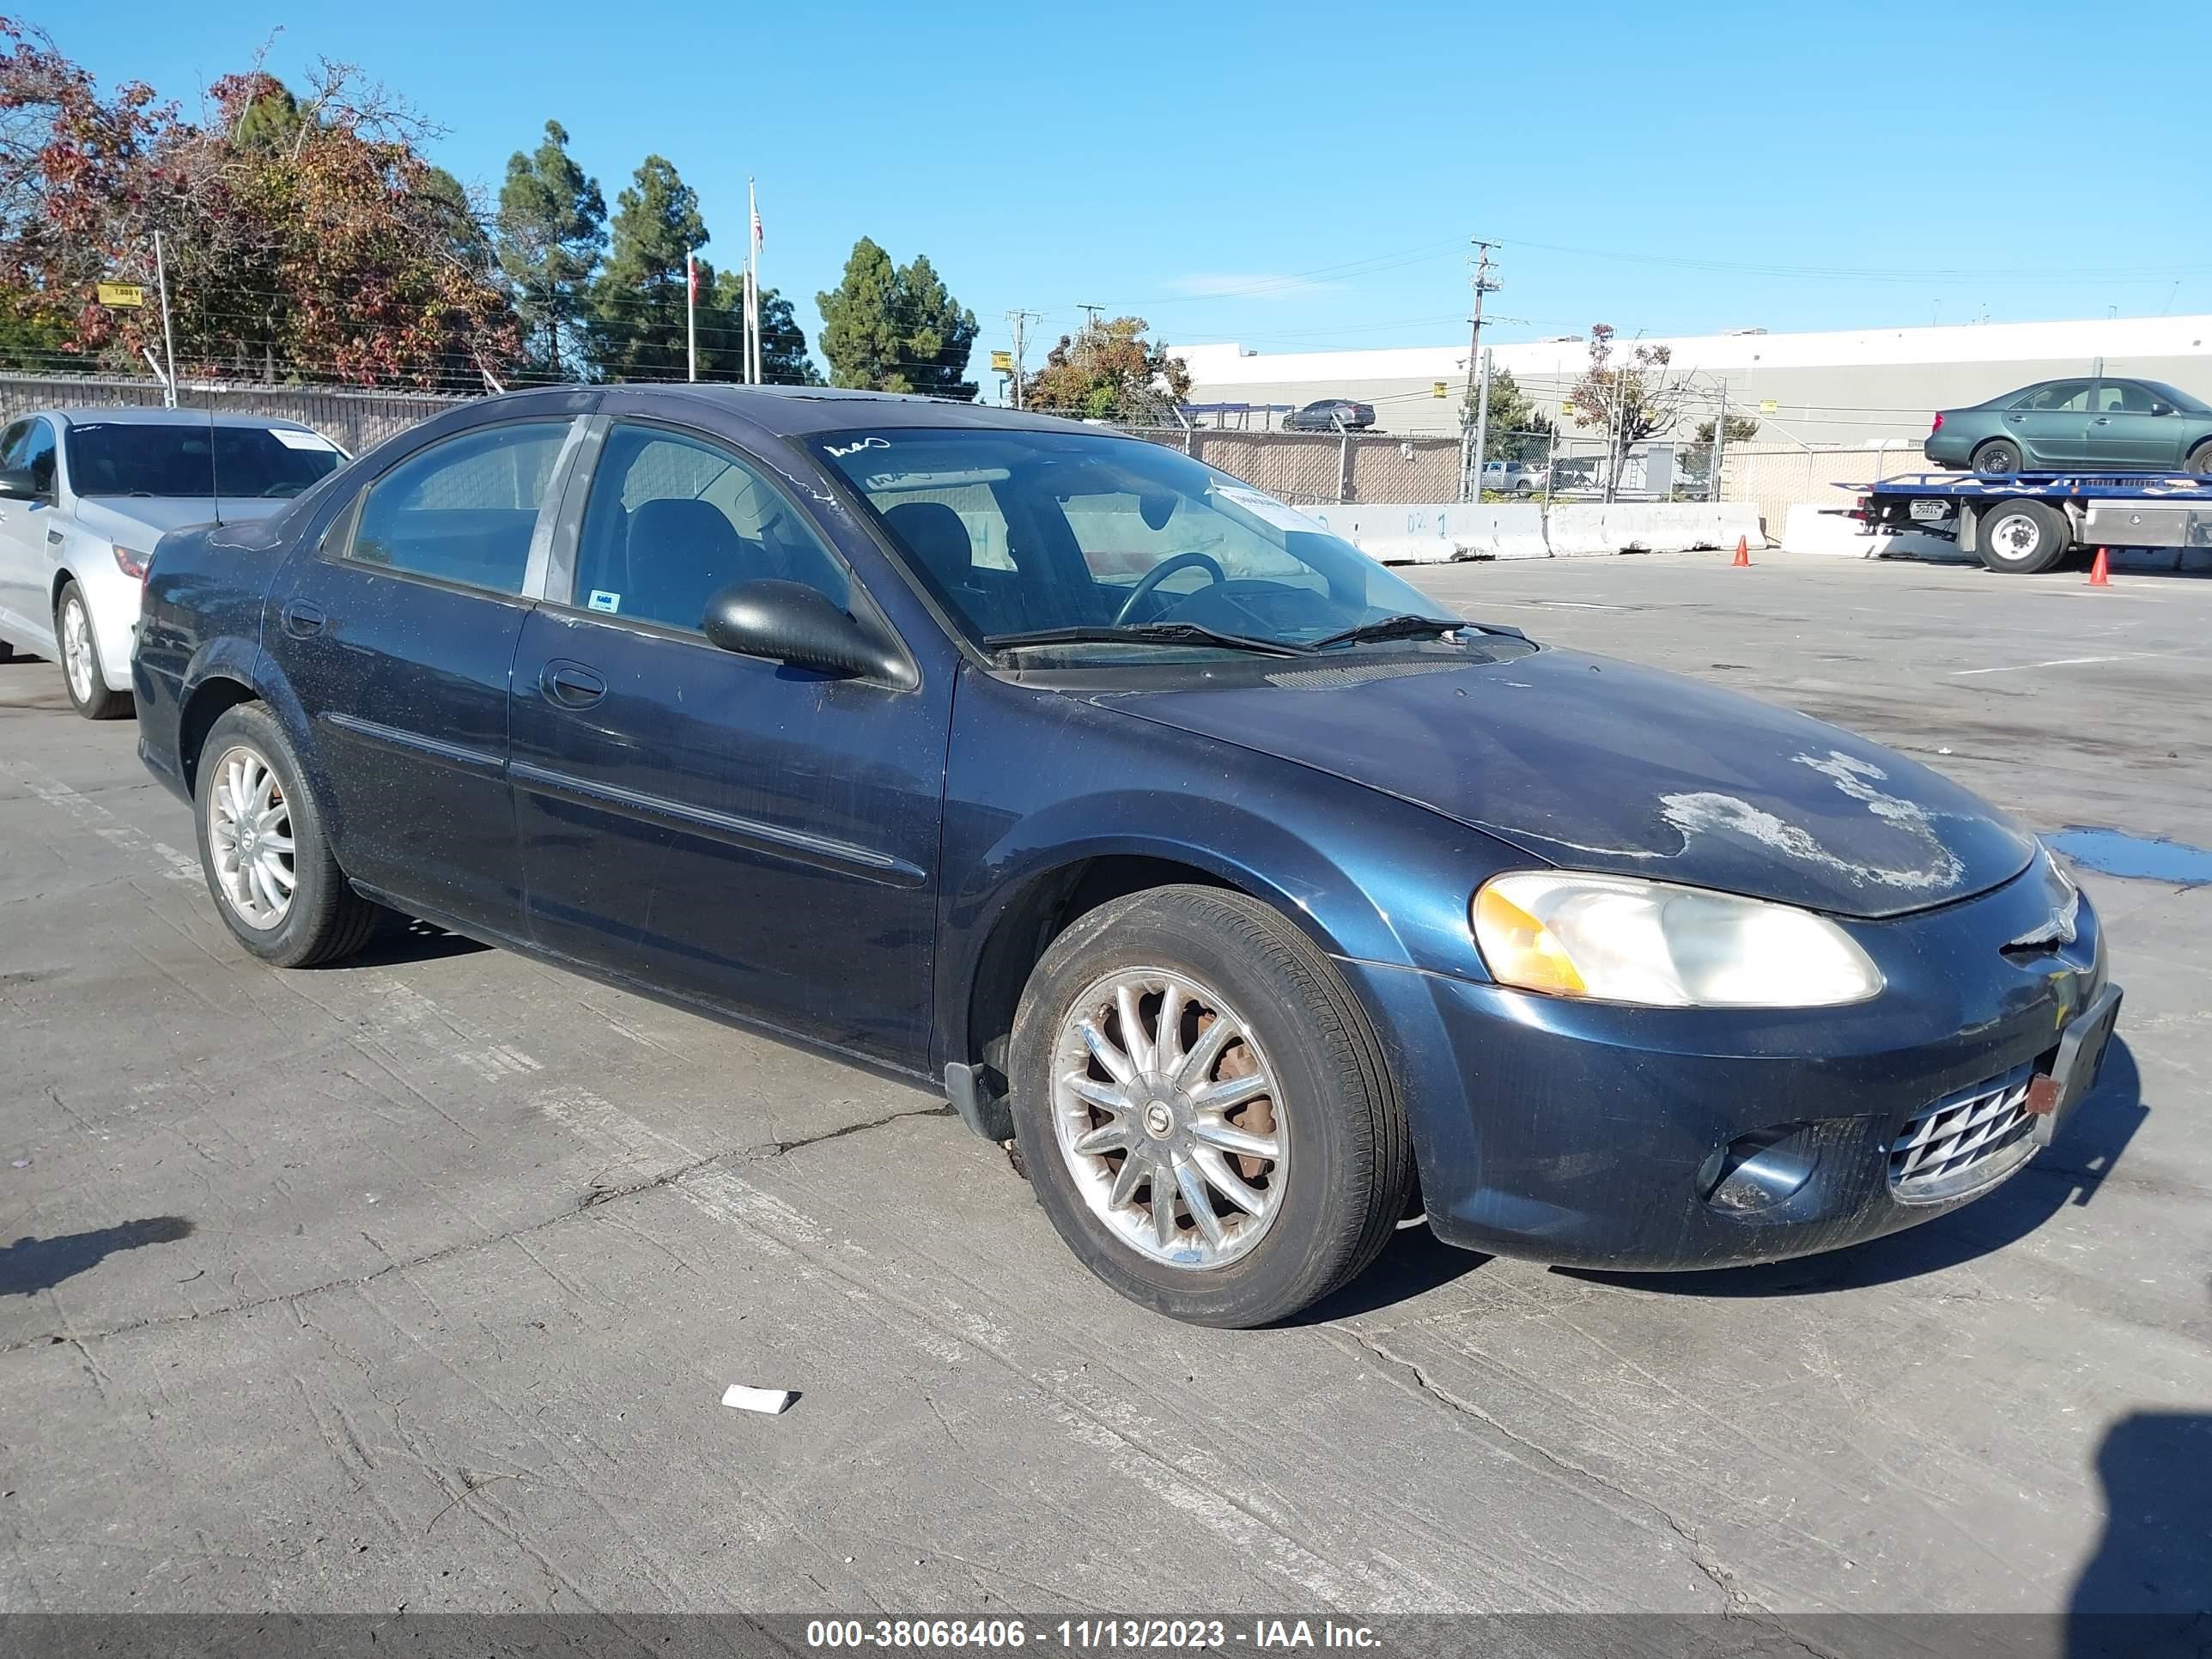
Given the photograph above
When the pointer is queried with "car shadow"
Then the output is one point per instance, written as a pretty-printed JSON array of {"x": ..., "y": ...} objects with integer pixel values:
[
  {"x": 31, "y": 1265},
  {"x": 2069, "y": 1172},
  {"x": 1414, "y": 1262},
  {"x": 413, "y": 941}
]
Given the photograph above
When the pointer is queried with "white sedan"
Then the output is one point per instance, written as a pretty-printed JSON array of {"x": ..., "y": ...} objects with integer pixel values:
[{"x": 85, "y": 493}]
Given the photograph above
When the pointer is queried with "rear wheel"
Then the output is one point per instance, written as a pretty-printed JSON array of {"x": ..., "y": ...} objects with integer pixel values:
[
  {"x": 1999, "y": 457},
  {"x": 79, "y": 653},
  {"x": 1206, "y": 1114},
  {"x": 2200, "y": 458},
  {"x": 262, "y": 846},
  {"x": 2022, "y": 537}
]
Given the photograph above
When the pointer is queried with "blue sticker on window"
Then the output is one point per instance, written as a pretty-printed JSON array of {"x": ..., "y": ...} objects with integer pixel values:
[{"x": 603, "y": 600}]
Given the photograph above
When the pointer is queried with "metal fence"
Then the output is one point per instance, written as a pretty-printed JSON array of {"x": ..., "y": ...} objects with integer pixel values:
[
  {"x": 354, "y": 420},
  {"x": 1776, "y": 478},
  {"x": 1318, "y": 467}
]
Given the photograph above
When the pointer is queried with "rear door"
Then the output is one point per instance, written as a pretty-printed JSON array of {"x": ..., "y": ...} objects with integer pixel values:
[
  {"x": 27, "y": 563},
  {"x": 2124, "y": 433},
  {"x": 396, "y": 635},
  {"x": 758, "y": 837},
  {"x": 2051, "y": 424}
]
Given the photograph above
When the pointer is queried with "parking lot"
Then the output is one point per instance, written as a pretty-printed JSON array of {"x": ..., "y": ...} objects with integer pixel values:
[{"x": 417, "y": 1282}]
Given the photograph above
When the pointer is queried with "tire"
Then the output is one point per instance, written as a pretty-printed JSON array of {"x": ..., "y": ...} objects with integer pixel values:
[
  {"x": 2200, "y": 458},
  {"x": 1998, "y": 457},
  {"x": 2021, "y": 539},
  {"x": 78, "y": 654},
  {"x": 7, "y": 652},
  {"x": 322, "y": 918},
  {"x": 1317, "y": 1210}
]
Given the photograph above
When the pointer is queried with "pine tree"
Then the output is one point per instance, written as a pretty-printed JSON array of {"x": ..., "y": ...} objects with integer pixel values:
[
  {"x": 899, "y": 329},
  {"x": 552, "y": 232},
  {"x": 638, "y": 301}
]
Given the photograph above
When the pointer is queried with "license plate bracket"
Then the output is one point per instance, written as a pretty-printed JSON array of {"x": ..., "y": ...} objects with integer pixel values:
[{"x": 2052, "y": 1095}]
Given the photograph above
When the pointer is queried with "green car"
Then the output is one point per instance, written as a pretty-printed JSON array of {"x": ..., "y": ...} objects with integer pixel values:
[{"x": 2113, "y": 425}]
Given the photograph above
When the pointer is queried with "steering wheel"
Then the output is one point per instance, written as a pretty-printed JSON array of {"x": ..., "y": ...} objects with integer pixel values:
[{"x": 1159, "y": 572}]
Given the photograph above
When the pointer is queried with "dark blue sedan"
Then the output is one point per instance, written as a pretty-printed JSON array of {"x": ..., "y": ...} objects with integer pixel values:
[{"x": 1265, "y": 903}]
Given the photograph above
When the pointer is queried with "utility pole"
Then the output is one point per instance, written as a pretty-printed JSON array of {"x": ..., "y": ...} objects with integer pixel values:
[
  {"x": 1021, "y": 320},
  {"x": 1470, "y": 465},
  {"x": 1481, "y": 428},
  {"x": 1090, "y": 317},
  {"x": 168, "y": 341}
]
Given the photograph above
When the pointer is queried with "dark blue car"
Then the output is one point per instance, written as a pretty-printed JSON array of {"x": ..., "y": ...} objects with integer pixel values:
[{"x": 1266, "y": 904}]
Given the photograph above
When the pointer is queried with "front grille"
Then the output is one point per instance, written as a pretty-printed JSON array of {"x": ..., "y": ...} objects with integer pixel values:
[{"x": 1964, "y": 1141}]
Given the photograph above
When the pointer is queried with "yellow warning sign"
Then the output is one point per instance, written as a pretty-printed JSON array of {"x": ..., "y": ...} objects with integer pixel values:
[{"x": 126, "y": 294}]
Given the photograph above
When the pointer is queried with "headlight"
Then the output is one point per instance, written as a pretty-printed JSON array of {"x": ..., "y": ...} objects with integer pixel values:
[{"x": 1619, "y": 939}]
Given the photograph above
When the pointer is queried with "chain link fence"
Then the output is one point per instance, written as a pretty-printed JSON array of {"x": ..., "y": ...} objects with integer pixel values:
[
  {"x": 1776, "y": 478},
  {"x": 354, "y": 420}
]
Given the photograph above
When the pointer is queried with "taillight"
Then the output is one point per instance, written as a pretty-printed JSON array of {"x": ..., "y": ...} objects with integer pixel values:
[
  {"x": 1938, "y": 427},
  {"x": 133, "y": 565}
]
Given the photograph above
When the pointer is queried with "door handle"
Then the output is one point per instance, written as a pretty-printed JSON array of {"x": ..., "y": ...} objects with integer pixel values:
[
  {"x": 303, "y": 621},
  {"x": 571, "y": 685},
  {"x": 2102, "y": 420}
]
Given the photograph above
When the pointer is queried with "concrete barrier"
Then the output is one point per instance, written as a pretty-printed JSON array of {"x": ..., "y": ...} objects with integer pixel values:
[
  {"x": 1429, "y": 533},
  {"x": 1423, "y": 533},
  {"x": 1810, "y": 527}
]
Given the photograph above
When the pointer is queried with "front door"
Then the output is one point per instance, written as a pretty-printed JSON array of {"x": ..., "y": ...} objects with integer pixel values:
[
  {"x": 760, "y": 838},
  {"x": 2051, "y": 424},
  {"x": 396, "y": 635},
  {"x": 2124, "y": 433}
]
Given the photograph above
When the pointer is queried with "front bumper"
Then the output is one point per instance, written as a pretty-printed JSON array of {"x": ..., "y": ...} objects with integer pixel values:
[{"x": 1591, "y": 1134}]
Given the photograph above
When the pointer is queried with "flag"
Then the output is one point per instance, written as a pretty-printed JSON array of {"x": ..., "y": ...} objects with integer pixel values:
[
  {"x": 691, "y": 277},
  {"x": 755, "y": 202}
]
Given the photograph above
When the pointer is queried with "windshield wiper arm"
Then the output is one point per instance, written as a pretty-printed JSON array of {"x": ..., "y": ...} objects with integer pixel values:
[
  {"x": 1162, "y": 632},
  {"x": 1402, "y": 627}
]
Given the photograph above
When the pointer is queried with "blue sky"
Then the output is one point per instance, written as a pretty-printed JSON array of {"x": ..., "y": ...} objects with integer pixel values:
[{"x": 1303, "y": 176}]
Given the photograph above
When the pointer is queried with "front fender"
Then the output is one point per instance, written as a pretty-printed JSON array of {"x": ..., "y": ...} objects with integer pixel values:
[{"x": 1039, "y": 782}]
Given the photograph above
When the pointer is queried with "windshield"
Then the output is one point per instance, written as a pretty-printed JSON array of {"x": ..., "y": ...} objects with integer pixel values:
[
  {"x": 1019, "y": 533},
  {"x": 196, "y": 460},
  {"x": 2180, "y": 399}
]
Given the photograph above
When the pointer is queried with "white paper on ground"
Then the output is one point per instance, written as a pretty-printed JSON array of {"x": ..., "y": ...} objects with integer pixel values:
[{"x": 770, "y": 1400}]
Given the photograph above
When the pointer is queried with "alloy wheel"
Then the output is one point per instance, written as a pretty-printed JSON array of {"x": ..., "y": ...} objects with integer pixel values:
[
  {"x": 78, "y": 660},
  {"x": 250, "y": 833},
  {"x": 1169, "y": 1117}
]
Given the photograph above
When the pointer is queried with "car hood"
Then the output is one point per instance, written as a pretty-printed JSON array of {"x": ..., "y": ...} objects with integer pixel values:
[
  {"x": 1589, "y": 763},
  {"x": 121, "y": 517}
]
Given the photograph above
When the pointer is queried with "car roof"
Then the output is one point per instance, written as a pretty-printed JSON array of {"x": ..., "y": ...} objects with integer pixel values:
[
  {"x": 793, "y": 411},
  {"x": 139, "y": 415}
]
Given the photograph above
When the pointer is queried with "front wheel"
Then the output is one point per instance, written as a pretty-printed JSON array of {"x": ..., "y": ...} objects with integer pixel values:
[
  {"x": 263, "y": 848},
  {"x": 2022, "y": 537},
  {"x": 79, "y": 652},
  {"x": 1206, "y": 1115}
]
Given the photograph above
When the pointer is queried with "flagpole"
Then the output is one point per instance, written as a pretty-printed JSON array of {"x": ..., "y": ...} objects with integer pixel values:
[
  {"x": 691, "y": 317},
  {"x": 752, "y": 284}
]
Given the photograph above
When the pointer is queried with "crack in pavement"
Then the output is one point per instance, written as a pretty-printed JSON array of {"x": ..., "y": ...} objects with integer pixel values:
[
  {"x": 1736, "y": 1602},
  {"x": 596, "y": 1197}
]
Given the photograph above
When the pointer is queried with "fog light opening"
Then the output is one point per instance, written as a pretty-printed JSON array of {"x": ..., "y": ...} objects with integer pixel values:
[{"x": 1758, "y": 1171}]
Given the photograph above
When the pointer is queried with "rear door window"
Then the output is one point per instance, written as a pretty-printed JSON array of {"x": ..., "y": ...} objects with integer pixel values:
[
  {"x": 2060, "y": 397},
  {"x": 462, "y": 511}
]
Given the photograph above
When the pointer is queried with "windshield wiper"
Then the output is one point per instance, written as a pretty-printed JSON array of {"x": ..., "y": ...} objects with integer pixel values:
[
  {"x": 1160, "y": 633},
  {"x": 1402, "y": 627}
]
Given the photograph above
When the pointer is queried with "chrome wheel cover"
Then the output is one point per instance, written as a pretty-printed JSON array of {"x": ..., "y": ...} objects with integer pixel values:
[
  {"x": 79, "y": 660},
  {"x": 249, "y": 824},
  {"x": 1168, "y": 1116}
]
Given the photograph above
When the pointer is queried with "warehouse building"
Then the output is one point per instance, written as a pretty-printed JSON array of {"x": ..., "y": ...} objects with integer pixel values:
[{"x": 1850, "y": 388}]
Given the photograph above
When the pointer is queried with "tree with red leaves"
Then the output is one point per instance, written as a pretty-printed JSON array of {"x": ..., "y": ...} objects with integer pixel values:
[{"x": 306, "y": 239}]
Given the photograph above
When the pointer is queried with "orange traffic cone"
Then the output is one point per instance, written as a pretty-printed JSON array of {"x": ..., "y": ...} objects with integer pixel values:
[
  {"x": 2100, "y": 573},
  {"x": 1742, "y": 560}
]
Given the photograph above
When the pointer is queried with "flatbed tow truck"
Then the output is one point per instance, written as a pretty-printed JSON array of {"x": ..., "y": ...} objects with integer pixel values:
[{"x": 2023, "y": 522}]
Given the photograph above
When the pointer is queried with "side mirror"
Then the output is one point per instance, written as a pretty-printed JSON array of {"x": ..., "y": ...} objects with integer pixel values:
[
  {"x": 16, "y": 485},
  {"x": 2161, "y": 409},
  {"x": 792, "y": 623}
]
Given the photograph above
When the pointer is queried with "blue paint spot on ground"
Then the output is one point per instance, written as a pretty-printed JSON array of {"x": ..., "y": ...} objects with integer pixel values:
[{"x": 2148, "y": 858}]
